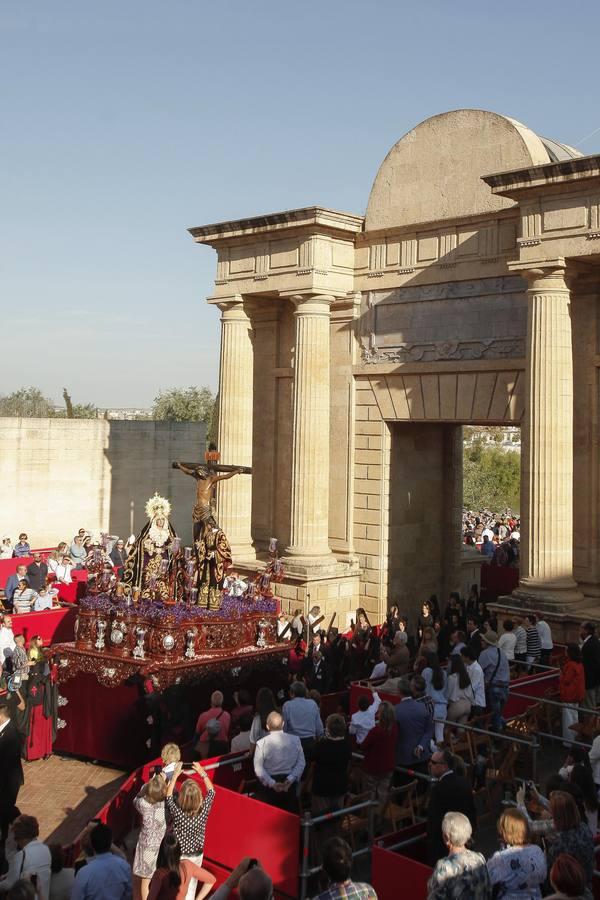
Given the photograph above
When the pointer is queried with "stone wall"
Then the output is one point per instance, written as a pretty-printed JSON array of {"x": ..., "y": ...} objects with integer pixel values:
[{"x": 57, "y": 475}]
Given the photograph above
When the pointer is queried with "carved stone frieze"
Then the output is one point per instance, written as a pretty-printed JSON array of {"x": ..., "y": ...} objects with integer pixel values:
[
  {"x": 450, "y": 290},
  {"x": 446, "y": 350}
]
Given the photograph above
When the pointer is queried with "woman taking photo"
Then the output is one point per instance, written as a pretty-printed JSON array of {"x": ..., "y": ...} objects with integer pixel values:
[
  {"x": 189, "y": 814},
  {"x": 150, "y": 804},
  {"x": 571, "y": 834},
  {"x": 172, "y": 878}
]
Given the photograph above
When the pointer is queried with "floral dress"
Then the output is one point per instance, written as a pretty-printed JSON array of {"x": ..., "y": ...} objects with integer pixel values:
[
  {"x": 154, "y": 825},
  {"x": 519, "y": 871}
]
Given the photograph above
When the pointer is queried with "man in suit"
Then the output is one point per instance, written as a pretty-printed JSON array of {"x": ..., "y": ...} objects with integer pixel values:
[
  {"x": 415, "y": 729},
  {"x": 590, "y": 653},
  {"x": 452, "y": 793},
  {"x": 11, "y": 773},
  {"x": 12, "y": 583},
  {"x": 37, "y": 572},
  {"x": 474, "y": 641}
]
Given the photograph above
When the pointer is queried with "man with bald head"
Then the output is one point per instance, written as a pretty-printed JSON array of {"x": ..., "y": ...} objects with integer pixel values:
[{"x": 279, "y": 763}]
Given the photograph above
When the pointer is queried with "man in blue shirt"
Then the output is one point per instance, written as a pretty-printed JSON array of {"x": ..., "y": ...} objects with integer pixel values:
[
  {"x": 105, "y": 876},
  {"x": 12, "y": 583},
  {"x": 496, "y": 672},
  {"x": 301, "y": 716},
  {"x": 22, "y": 548}
]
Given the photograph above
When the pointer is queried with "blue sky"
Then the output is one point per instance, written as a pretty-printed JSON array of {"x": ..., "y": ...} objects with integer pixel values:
[{"x": 124, "y": 123}]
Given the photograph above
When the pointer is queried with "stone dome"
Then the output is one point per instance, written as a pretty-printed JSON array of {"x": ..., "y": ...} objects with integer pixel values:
[{"x": 434, "y": 172}]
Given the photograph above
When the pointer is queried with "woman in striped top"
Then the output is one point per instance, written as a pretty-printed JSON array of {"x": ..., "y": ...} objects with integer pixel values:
[
  {"x": 534, "y": 644},
  {"x": 189, "y": 813}
]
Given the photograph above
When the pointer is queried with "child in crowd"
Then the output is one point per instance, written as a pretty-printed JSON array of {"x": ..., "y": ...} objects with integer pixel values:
[{"x": 170, "y": 755}]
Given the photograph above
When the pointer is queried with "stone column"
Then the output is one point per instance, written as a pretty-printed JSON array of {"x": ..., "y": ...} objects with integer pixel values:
[
  {"x": 309, "y": 544},
  {"x": 234, "y": 497},
  {"x": 547, "y": 447},
  {"x": 452, "y": 436}
]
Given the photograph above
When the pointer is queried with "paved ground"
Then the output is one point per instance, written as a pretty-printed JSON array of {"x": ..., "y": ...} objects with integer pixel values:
[{"x": 64, "y": 794}]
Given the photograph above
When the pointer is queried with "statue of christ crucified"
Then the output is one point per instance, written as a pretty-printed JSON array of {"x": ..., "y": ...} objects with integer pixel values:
[
  {"x": 206, "y": 478},
  {"x": 213, "y": 553}
]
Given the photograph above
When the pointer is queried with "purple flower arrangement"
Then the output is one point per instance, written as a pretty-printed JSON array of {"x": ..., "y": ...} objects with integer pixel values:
[{"x": 179, "y": 613}]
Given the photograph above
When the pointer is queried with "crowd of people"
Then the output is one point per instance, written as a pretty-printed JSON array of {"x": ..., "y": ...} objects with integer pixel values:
[
  {"x": 423, "y": 679},
  {"x": 33, "y": 587},
  {"x": 496, "y": 536}
]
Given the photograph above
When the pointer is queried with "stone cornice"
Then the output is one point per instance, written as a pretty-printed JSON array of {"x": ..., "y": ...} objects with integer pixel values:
[
  {"x": 566, "y": 172},
  {"x": 317, "y": 218}
]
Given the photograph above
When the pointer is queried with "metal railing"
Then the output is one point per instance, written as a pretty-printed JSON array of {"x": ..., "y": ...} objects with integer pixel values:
[
  {"x": 579, "y": 709},
  {"x": 309, "y": 822},
  {"x": 533, "y": 745},
  {"x": 418, "y": 838}
]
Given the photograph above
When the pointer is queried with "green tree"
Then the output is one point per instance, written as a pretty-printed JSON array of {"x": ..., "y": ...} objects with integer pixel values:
[
  {"x": 491, "y": 478},
  {"x": 28, "y": 403},
  {"x": 191, "y": 404}
]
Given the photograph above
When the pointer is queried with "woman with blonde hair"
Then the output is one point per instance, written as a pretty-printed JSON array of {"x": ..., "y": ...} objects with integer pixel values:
[
  {"x": 150, "y": 804},
  {"x": 189, "y": 814},
  {"x": 520, "y": 867}
]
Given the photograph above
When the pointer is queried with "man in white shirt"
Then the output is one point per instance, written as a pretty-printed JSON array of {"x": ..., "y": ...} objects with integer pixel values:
[
  {"x": 545, "y": 634},
  {"x": 63, "y": 570},
  {"x": 32, "y": 858},
  {"x": 508, "y": 640},
  {"x": 7, "y": 639},
  {"x": 363, "y": 721},
  {"x": 477, "y": 680},
  {"x": 278, "y": 764},
  {"x": 45, "y": 599}
]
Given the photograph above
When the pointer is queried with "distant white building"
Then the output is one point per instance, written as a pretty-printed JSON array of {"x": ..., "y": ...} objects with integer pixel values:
[{"x": 505, "y": 438}]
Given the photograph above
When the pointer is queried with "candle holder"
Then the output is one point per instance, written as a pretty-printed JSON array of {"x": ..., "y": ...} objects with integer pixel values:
[
  {"x": 100, "y": 632},
  {"x": 138, "y": 650},
  {"x": 261, "y": 640},
  {"x": 190, "y": 639}
]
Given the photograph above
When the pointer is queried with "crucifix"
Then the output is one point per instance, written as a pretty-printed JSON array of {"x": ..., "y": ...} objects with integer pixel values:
[{"x": 206, "y": 477}]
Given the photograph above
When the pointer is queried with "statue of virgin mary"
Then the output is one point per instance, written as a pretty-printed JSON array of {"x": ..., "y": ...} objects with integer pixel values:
[{"x": 150, "y": 561}]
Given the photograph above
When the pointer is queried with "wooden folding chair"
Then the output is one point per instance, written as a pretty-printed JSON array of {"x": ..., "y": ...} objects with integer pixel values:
[
  {"x": 401, "y": 805},
  {"x": 355, "y": 823}
]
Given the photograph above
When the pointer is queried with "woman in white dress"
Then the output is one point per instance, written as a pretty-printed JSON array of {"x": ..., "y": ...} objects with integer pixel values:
[{"x": 150, "y": 804}]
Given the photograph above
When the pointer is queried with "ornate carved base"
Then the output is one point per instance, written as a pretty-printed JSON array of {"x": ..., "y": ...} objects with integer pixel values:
[{"x": 111, "y": 670}]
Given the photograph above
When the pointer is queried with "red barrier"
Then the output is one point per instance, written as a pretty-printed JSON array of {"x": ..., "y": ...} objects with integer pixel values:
[
  {"x": 497, "y": 581},
  {"x": 237, "y": 826},
  {"x": 537, "y": 684},
  {"x": 54, "y": 625},
  {"x": 332, "y": 703},
  {"x": 406, "y": 866}
]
